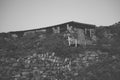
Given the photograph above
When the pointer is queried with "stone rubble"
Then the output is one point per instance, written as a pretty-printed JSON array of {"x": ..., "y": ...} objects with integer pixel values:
[{"x": 47, "y": 66}]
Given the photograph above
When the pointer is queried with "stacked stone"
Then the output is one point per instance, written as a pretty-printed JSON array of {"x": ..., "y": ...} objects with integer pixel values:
[{"x": 48, "y": 66}]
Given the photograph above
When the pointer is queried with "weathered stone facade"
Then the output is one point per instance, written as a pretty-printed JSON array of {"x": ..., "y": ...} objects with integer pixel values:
[
  {"x": 29, "y": 33},
  {"x": 80, "y": 36},
  {"x": 76, "y": 33},
  {"x": 41, "y": 30},
  {"x": 56, "y": 30},
  {"x": 14, "y": 35}
]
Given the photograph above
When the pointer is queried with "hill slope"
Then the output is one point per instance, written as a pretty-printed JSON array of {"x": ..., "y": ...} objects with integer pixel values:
[{"x": 66, "y": 51}]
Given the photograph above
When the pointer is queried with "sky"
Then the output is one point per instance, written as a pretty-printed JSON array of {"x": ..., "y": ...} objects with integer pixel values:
[{"x": 16, "y": 15}]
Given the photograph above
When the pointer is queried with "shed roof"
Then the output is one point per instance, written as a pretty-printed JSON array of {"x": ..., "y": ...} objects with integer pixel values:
[{"x": 72, "y": 23}]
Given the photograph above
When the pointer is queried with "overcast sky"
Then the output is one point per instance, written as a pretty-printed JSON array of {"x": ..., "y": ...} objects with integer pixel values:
[{"x": 30, "y": 14}]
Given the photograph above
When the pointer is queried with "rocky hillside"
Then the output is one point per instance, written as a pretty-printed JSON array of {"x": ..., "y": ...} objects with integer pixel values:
[{"x": 68, "y": 51}]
